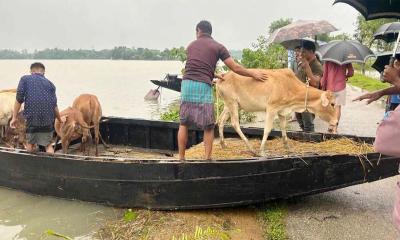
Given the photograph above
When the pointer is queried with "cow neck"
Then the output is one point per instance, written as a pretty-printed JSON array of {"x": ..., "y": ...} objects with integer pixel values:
[{"x": 306, "y": 98}]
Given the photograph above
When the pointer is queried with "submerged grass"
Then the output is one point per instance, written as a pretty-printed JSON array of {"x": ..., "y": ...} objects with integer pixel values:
[
  {"x": 152, "y": 225},
  {"x": 52, "y": 233},
  {"x": 273, "y": 217},
  {"x": 367, "y": 83}
]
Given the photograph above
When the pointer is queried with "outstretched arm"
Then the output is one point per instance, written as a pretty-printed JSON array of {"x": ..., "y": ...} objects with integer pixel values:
[
  {"x": 371, "y": 97},
  {"x": 239, "y": 69}
]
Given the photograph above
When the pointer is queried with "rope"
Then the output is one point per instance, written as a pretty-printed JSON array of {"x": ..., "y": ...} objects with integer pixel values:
[{"x": 306, "y": 99}]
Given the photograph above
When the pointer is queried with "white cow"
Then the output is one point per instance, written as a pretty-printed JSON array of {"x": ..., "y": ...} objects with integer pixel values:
[{"x": 7, "y": 100}]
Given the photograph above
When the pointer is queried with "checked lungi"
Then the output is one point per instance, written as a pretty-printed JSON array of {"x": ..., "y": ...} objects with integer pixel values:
[{"x": 197, "y": 105}]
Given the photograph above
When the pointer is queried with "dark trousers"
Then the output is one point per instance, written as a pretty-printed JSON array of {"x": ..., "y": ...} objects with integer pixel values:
[{"x": 306, "y": 121}]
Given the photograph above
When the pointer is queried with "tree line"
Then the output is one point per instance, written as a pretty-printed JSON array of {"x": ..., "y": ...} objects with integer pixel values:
[{"x": 117, "y": 53}]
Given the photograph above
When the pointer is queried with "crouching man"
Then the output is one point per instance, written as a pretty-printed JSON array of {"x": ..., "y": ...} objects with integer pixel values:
[{"x": 40, "y": 108}]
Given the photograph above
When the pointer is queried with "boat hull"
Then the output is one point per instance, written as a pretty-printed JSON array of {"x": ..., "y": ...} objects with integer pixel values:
[{"x": 171, "y": 185}]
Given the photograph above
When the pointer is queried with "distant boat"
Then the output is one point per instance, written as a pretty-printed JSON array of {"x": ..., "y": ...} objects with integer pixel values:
[{"x": 171, "y": 81}]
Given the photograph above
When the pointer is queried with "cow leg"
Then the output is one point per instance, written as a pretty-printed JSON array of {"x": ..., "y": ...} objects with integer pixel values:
[
  {"x": 234, "y": 112},
  {"x": 2, "y": 133},
  {"x": 282, "y": 123},
  {"x": 65, "y": 144},
  {"x": 83, "y": 145},
  {"x": 96, "y": 137},
  {"x": 269, "y": 120},
  {"x": 221, "y": 122}
]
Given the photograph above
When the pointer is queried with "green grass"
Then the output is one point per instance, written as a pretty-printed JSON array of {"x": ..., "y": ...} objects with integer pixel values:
[
  {"x": 368, "y": 65},
  {"x": 367, "y": 83},
  {"x": 273, "y": 217},
  {"x": 172, "y": 114}
]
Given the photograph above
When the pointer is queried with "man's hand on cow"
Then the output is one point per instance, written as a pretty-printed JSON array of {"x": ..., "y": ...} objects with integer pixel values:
[
  {"x": 391, "y": 75},
  {"x": 260, "y": 75},
  {"x": 13, "y": 122},
  {"x": 371, "y": 97}
]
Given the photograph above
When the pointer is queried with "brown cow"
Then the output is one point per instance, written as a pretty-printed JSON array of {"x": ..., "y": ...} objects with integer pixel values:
[
  {"x": 282, "y": 94},
  {"x": 90, "y": 108},
  {"x": 16, "y": 137},
  {"x": 73, "y": 128}
]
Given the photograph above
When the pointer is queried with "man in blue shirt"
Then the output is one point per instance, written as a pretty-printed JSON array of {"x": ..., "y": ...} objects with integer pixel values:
[{"x": 40, "y": 108}]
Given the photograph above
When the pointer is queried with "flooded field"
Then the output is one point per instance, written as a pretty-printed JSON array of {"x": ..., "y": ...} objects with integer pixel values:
[{"x": 120, "y": 86}]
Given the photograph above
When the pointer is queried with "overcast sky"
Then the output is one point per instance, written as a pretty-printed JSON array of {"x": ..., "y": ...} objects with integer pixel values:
[{"x": 98, "y": 24}]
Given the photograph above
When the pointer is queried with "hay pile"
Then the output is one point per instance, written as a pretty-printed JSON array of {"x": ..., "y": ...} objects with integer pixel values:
[{"x": 236, "y": 148}]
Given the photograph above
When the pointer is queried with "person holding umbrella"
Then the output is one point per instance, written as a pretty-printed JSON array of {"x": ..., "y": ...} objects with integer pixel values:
[
  {"x": 334, "y": 80},
  {"x": 310, "y": 71}
]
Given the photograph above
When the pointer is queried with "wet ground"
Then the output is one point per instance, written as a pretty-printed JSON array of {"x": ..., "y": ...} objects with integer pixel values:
[
  {"x": 358, "y": 212},
  {"x": 353, "y": 213}
]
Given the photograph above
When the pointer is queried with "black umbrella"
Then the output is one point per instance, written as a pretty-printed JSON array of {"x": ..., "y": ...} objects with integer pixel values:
[
  {"x": 388, "y": 32},
  {"x": 373, "y": 9},
  {"x": 292, "y": 44},
  {"x": 382, "y": 60},
  {"x": 344, "y": 51}
]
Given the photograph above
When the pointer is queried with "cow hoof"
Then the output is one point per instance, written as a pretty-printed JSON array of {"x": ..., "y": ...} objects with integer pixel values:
[
  {"x": 286, "y": 146},
  {"x": 263, "y": 154},
  {"x": 223, "y": 145}
]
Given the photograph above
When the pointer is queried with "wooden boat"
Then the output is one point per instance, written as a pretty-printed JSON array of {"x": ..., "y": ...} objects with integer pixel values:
[
  {"x": 172, "y": 82},
  {"x": 171, "y": 184}
]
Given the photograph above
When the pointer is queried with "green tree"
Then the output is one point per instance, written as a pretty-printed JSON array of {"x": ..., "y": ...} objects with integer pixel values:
[
  {"x": 179, "y": 54},
  {"x": 365, "y": 32},
  {"x": 263, "y": 55},
  {"x": 278, "y": 24}
]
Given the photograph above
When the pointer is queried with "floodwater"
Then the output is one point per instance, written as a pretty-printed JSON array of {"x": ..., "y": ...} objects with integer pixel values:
[{"x": 120, "y": 87}]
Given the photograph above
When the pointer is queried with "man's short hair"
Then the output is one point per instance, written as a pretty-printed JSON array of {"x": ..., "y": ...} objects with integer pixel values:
[
  {"x": 309, "y": 46},
  {"x": 204, "y": 26},
  {"x": 37, "y": 65}
]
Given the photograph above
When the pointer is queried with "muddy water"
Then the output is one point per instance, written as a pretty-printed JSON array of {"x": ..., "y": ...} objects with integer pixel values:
[{"x": 120, "y": 86}]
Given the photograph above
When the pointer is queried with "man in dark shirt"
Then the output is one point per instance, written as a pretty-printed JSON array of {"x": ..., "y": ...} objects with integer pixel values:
[
  {"x": 40, "y": 108},
  {"x": 197, "y": 103},
  {"x": 310, "y": 70}
]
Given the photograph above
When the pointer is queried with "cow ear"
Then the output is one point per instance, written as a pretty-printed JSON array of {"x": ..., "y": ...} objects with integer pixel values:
[{"x": 324, "y": 99}]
